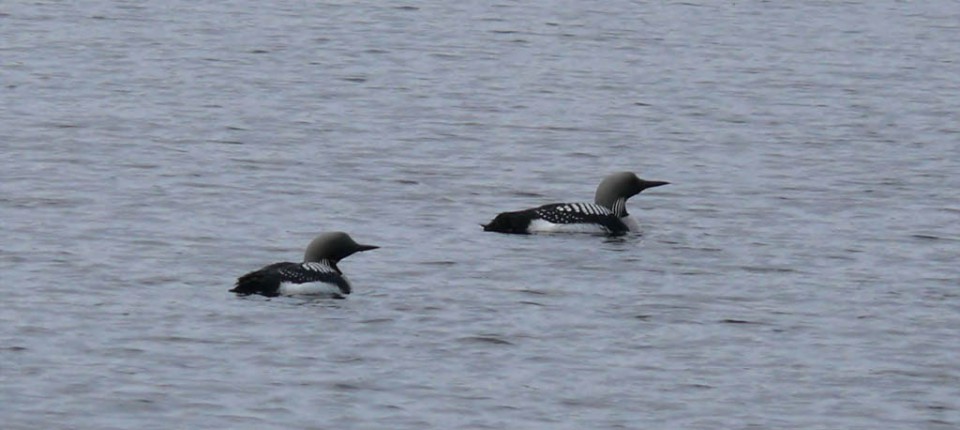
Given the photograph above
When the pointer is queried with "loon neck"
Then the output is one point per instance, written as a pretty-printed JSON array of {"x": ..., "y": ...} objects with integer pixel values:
[
  {"x": 619, "y": 207},
  {"x": 615, "y": 201}
]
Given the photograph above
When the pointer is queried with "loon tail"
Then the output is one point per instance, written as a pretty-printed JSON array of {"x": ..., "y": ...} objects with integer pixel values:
[{"x": 509, "y": 222}]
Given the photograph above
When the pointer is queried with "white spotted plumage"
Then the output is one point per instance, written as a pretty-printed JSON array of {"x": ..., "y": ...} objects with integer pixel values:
[
  {"x": 319, "y": 266},
  {"x": 290, "y": 287},
  {"x": 569, "y": 217}
]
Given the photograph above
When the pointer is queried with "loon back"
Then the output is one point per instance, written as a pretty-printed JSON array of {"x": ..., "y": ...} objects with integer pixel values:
[
  {"x": 319, "y": 277},
  {"x": 559, "y": 217}
]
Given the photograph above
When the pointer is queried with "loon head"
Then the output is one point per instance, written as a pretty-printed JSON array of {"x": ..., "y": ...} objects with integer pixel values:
[
  {"x": 333, "y": 246},
  {"x": 621, "y": 185}
]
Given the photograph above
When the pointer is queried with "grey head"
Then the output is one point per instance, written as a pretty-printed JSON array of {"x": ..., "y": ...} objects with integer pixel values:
[
  {"x": 333, "y": 246},
  {"x": 614, "y": 191}
]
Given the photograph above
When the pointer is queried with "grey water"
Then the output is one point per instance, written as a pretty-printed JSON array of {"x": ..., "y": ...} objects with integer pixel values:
[{"x": 799, "y": 272}]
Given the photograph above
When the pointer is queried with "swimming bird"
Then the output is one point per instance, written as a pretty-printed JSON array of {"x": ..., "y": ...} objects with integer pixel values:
[
  {"x": 318, "y": 274},
  {"x": 607, "y": 214}
]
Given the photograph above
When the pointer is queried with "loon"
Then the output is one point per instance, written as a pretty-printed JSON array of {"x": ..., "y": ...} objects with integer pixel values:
[
  {"x": 317, "y": 275},
  {"x": 608, "y": 214}
]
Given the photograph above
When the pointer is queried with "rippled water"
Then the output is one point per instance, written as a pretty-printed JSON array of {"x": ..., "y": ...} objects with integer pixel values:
[{"x": 800, "y": 271}]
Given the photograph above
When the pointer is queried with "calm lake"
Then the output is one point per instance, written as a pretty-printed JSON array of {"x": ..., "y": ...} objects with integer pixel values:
[{"x": 799, "y": 272}]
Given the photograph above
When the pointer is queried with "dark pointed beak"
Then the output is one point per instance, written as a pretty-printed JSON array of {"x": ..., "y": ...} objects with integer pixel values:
[
  {"x": 361, "y": 248},
  {"x": 651, "y": 184}
]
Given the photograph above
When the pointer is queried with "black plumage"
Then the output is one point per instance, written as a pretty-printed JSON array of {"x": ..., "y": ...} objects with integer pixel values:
[
  {"x": 267, "y": 280},
  {"x": 518, "y": 222}
]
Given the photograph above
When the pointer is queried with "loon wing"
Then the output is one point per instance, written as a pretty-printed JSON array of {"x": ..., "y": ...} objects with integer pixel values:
[
  {"x": 267, "y": 280},
  {"x": 519, "y": 222},
  {"x": 320, "y": 271},
  {"x": 581, "y": 213}
]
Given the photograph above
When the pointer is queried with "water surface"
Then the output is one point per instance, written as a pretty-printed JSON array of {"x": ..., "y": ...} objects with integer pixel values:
[{"x": 799, "y": 271}]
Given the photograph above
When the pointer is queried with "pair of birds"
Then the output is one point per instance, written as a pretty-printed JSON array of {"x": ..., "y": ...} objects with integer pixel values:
[{"x": 318, "y": 274}]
